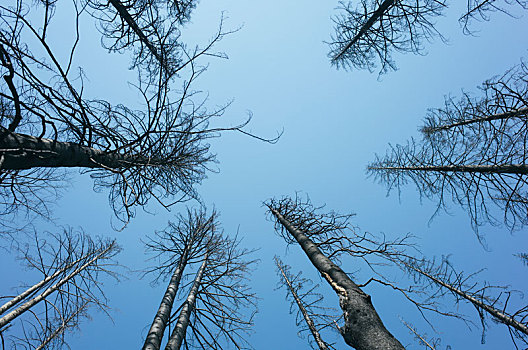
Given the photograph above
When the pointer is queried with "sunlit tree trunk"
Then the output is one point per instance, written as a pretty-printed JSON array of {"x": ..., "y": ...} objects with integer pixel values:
[
  {"x": 309, "y": 321},
  {"x": 155, "y": 334},
  {"x": 178, "y": 334},
  {"x": 363, "y": 327},
  {"x": 32, "y": 302}
]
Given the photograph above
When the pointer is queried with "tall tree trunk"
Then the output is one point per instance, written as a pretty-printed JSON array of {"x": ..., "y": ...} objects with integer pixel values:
[
  {"x": 521, "y": 169},
  {"x": 178, "y": 334},
  {"x": 370, "y": 22},
  {"x": 20, "y": 151},
  {"x": 309, "y": 322},
  {"x": 155, "y": 334},
  {"x": 39, "y": 285},
  {"x": 32, "y": 302},
  {"x": 363, "y": 329},
  {"x": 498, "y": 315},
  {"x": 519, "y": 113}
]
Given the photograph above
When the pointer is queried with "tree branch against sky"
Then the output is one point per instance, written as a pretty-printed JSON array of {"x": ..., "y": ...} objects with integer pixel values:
[{"x": 474, "y": 152}]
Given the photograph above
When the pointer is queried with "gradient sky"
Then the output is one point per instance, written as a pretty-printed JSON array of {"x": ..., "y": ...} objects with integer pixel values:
[{"x": 334, "y": 122}]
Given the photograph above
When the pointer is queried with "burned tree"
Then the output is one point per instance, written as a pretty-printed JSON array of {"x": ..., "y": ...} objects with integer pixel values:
[
  {"x": 474, "y": 151},
  {"x": 321, "y": 238},
  {"x": 374, "y": 29},
  {"x": 305, "y": 300},
  {"x": 156, "y": 149},
  {"x": 219, "y": 306},
  {"x": 72, "y": 266}
]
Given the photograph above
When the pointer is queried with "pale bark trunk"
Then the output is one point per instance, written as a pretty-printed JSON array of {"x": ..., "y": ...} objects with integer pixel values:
[
  {"x": 155, "y": 334},
  {"x": 521, "y": 169},
  {"x": 32, "y": 302},
  {"x": 37, "y": 286},
  {"x": 370, "y": 22},
  {"x": 178, "y": 334},
  {"x": 497, "y": 314},
  {"x": 363, "y": 329},
  {"x": 522, "y": 112},
  {"x": 20, "y": 151},
  {"x": 309, "y": 322}
]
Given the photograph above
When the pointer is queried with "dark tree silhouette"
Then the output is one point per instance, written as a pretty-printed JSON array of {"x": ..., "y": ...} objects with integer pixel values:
[
  {"x": 158, "y": 151},
  {"x": 219, "y": 306},
  {"x": 474, "y": 151},
  {"x": 311, "y": 317},
  {"x": 72, "y": 265},
  {"x": 318, "y": 236}
]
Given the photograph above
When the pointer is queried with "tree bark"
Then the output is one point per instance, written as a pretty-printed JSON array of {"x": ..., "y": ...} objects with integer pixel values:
[
  {"x": 309, "y": 322},
  {"x": 32, "y": 302},
  {"x": 155, "y": 334},
  {"x": 521, "y": 169},
  {"x": 22, "y": 151},
  {"x": 370, "y": 22},
  {"x": 178, "y": 334},
  {"x": 363, "y": 328}
]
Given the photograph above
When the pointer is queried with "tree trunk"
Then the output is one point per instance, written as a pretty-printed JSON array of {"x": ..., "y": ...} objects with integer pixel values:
[
  {"x": 30, "y": 303},
  {"x": 155, "y": 334},
  {"x": 370, "y": 22},
  {"x": 521, "y": 169},
  {"x": 363, "y": 329},
  {"x": 60, "y": 329},
  {"x": 178, "y": 334},
  {"x": 497, "y": 314},
  {"x": 309, "y": 322},
  {"x": 22, "y": 151}
]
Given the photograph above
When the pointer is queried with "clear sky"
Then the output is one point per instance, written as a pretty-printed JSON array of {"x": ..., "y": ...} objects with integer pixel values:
[{"x": 334, "y": 122}]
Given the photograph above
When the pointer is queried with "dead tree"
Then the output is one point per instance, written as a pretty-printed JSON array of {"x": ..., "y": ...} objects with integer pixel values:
[
  {"x": 185, "y": 240},
  {"x": 474, "y": 152},
  {"x": 480, "y": 10},
  {"x": 219, "y": 306},
  {"x": 72, "y": 265},
  {"x": 374, "y": 29},
  {"x": 315, "y": 317},
  {"x": 298, "y": 223},
  {"x": 157, "y": 151}
]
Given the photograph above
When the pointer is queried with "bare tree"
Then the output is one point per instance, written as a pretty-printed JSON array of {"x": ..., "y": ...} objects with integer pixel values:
[
  {"x": 72, "y": 265},
  {"x": 158, "y": 151},
  {"x": 219, "y": 306},
  {"x": 313, "y": 316},
  {"x": 298, "y": 223},
  {"x": 185, "y": 240},
  {"x": 474, "y": 151},
  {"x": 366, "y": 35},
  {"x": 374, "y": 29}
]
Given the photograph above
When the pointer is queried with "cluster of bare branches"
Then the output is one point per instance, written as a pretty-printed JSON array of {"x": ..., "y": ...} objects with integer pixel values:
[
  {"x": 474, "y": 151},
  {"x": 367, "y": 34},
  {"x": 311, "y": 317},
  {"x": 72, "y": 266},
  {"x": 219, "y": 306},
  {"x": 158, "y": 151}
]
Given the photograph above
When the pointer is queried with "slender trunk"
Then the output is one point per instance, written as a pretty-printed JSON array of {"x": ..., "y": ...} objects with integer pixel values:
[
  {"x": 497, "y": 314},
  {"x": 60, "y": 329},
  {"x": 32, "y": 302},
  {"x": 309, "y": 322},
  {"x": 155, "y": 334},
  {"x": 370, "y": 22},
  {"x": 39, "y": 285},
  {"x": 521, "y": 169},
  {"x": 125, "y": 15},
  {"x": 178, "y": 334},
  {"x": 363, "y": 329},
  {"x": 20, "y": 151},
  {"x": 522, "y": 112}
]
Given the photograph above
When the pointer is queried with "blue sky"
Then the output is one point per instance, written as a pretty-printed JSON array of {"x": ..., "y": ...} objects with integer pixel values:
[{"x": 334, "y": 122}]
